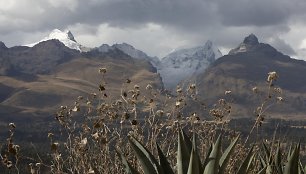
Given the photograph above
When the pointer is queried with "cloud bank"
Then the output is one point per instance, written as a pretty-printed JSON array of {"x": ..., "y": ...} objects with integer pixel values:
[{"x": 158, "y": 26}]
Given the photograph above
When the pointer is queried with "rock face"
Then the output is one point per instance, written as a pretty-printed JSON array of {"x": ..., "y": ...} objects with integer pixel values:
[
  {"x": 39, "y": 59},
  {"x": 185, "y": 63},
  {"x": 2, "y": 46},
  {"x": 131, "y": 51},
  {"x": 247, "y": 66},
  {"x": 249, "y": 43}
]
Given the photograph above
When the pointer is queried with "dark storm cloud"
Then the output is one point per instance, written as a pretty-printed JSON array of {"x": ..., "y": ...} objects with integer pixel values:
[
  {"x": 174, "y": 13},
  {"x": 254, "y": 13},
  {"x": 181, "y": 14},
  {"x": 225, "y": 21}
]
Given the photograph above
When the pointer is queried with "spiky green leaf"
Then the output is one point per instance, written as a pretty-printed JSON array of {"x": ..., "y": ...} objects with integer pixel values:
[
  {"x": 227, "y": 155},
  {"x": 278, "y": 160},
  {"x": 292, "y": 166},
  {"x": 194, "y": 146},
  {"x": 214, "y": 157},
  {"x": 148, "y": 162},
  {"x": 164, "y": 164},
  {"x": 245, "y": 166},
  {"x": 194, "y": 166},
  {"x": 183, "y": 154},
  {"x": 206, "y": 160},
  {"x": 128, "y": 168}
]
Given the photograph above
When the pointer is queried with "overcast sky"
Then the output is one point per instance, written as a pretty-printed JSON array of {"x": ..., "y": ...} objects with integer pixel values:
[{"x": 159, "y": 26}]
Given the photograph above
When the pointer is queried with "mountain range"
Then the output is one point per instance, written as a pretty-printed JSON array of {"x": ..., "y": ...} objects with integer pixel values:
[{"x": 37, "y": 78}]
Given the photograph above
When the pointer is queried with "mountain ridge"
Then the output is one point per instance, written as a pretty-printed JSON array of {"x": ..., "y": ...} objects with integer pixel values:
[{"x": 241, "y": 71}]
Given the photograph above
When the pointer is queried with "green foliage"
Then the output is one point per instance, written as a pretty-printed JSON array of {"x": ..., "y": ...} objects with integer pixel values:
[
  {"x": 273, "y": 162},
  {"x": 188, "y": 161}
]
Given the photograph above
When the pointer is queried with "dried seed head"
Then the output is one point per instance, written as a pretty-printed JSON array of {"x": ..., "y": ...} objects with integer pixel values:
[
  {"x": 278, "y": 90},
  {"x": 192, "y": 86},
  {"x": 134, "y": 122},
  {"x": 179, "y": 89},
  {"x": 9, "y": 164},
  {"x": 94, "y": 94},
  {"x": 136, "y": 86},
  {"x": 12, "y": 125},
  {"x": 227, "y": 92},
  {"x": 177, "y": 104},
  {"x": 50, "y": 135},
  {"x": 149, "y": 87},
  {"x": 84, "y": 142},
  {"x": 280, "y": 99},
  {"x": 128, "y": 81},
  {"x": 102, "y": 70},
  {"x": 151, "y": 100},
  {"x": 160, "y": 113},
  {"x": 95, "y": 136},
  {"x": 76, "y": 108},
  {"x": 272, "y": 76},
  {"x": 255, "y": 89},
  {"x": 101, "y": 87}
]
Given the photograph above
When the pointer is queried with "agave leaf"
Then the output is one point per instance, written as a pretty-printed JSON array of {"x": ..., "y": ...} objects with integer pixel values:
[
  {"x": 278, "y": 160},
  {"x": 207, "y": 156},
  {"x": 127, "y": 166},
  {"x": 267, "y": 153},
  {"x": 183, "y": 154},
  {"x": 187, "y": 141},
  {"x": 148, "y": 162},
  {"x": 164, "y": 164},
  {"x": 226, "y": 155},
  {"x": 213, "y": 161},
  {"x": 194, "y": 146},
  {"x": 194, "y": 166},
  {"x": 245, "y": 166},
  {"x": 293, "y": 162}
]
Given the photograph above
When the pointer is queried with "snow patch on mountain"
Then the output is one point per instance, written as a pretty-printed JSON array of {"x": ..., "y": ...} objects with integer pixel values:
[
  {"x": 66, "y": 37},
  {"x": 182, "y": 64}
]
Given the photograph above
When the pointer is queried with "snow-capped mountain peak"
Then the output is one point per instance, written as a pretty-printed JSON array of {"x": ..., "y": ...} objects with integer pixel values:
[
  {"x": 182, "y": 64},
  {"x": 66, "y": 37}
]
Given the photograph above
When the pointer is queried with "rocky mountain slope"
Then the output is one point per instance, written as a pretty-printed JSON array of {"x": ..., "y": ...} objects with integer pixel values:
[
  {"x": 131, "y": 51},
  {"x": 246, "y": 67},
  {"x": 36, "y": 81}
]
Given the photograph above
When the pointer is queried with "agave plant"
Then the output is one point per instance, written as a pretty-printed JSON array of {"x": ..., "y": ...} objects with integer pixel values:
[
  {"x": 273, "y": 163},
  {"x": 188, "y": 160}
]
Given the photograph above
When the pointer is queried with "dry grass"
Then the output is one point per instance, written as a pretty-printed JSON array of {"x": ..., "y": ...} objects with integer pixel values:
[{"x": 90, "y": 146}]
